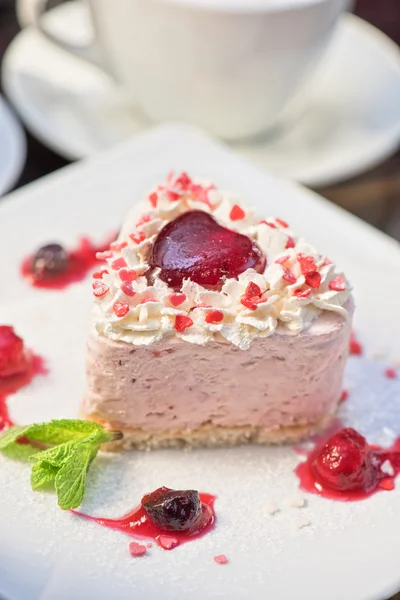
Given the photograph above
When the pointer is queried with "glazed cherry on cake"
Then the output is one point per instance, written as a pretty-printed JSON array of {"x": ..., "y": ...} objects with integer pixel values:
[{"x": 194, "y": 246}]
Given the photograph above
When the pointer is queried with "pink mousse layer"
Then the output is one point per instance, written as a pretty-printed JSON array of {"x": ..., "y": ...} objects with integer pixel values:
[{"x": 281, "y": 380}]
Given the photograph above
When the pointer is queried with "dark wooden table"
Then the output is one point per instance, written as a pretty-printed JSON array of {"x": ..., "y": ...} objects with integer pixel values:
[{"x": 374, "y": 196}]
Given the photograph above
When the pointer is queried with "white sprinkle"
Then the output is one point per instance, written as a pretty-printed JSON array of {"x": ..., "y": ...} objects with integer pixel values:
[
  {"x": 387, "y": 468},
  {"x": 302, "y": 521},
  {"x": 296, "y": 501},
  {"x": 271, "y": 509}
]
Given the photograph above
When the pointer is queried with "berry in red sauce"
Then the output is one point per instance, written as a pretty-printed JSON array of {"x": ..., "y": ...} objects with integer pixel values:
[
  {"x": 173, "y": 510},
  {"x": 12, "y": 353},
  {"x": 345, "y": 467},
  {"x": 346, "y": 463},
  {"x": 49, "y": 261},
  {"x": 138, "y": 524},
  {"x": 194, "y": 246}
]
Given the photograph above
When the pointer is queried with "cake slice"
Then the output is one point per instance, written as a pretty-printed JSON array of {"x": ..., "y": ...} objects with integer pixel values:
[{"x": 212, "y": 327}]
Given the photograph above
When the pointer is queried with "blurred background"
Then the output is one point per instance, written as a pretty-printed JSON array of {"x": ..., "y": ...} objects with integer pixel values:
[{"x": 67, "y": 109}]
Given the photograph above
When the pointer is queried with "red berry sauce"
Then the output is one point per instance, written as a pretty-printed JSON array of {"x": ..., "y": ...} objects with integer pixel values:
[
  {"x": 17, "y": 369},
  {"x": 137, "y": 524},
  {"x": 345, "y": 467},
  {"x": 80, "y": 261},
  {"x": 194, "y": 246}
]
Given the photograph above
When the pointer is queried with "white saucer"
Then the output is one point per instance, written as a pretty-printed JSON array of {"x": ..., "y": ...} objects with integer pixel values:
[
  {"x": 352, "y": 121},
  {"x": 12, "y": 148}
]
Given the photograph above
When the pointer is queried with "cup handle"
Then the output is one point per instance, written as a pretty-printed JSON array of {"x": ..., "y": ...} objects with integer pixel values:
[{"x": 29, "y": 13}]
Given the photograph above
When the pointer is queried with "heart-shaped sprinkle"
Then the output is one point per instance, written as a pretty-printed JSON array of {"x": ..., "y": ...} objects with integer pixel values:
[
  {"x": 100, "y": 289},
  {"x": 282, "y": 223},
  {"x": 118, "y": 264},
  {"x": 127, "y": 275},
  {"x": 194, "y": 246},
  {"x": 182, "y": 322},
  {"x": 177, "y": 298},
  {"x": 288, "y": 276},
  {"x": 126, "y": 287},
  {"x": 138, "y": 237},
  {"x": 338, "y": 284},
  {"x": 237, "y": 213},
  {"x": 313, "y": 279},
  {"x": 214, "y": 316},
  {"x": 121, "y": 309}
]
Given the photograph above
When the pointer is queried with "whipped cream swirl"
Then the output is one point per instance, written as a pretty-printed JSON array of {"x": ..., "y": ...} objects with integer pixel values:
[{"x": 296, "y": 286}]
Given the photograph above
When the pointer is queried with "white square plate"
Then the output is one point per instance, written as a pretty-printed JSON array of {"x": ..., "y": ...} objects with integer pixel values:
[{"x": 350, "y": 550}]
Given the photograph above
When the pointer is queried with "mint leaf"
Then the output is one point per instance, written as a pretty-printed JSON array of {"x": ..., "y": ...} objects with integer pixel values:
[
  {"x": 56, "y": 456},
  {"x": 70, "y": 480},
  {"x": 59, "y": 431},
  {"x": 75, "y": 444},
  {"x": 43, "y": 474}
]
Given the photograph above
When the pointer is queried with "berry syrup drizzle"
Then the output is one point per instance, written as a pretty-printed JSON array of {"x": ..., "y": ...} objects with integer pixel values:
[
  {"x": 60, "y": 268},
  {"x": 17, "y": 369},
  {"x": 137, "y": 524},
  {"x": 345, "y": 467}
]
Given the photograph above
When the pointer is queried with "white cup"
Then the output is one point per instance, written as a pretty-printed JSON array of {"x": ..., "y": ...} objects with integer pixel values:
[{"x": 229, "y": 66}]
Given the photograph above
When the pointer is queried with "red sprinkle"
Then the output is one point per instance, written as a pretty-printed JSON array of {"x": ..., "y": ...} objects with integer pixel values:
[
  {"x": 344, "y": 396},
  {"x": 138, "y": 237},
  {"x": 248, "y": 303},
  {"x": 327, "y": 261},
  {"x": 167, "y": 542},
  {"x": 127, "y": 288},
  {"x": 119, "y": 263},
  {"x": 153, "y": 199},
  {"x": 99, "y": 274},
  {"x": 104, "y": 255},
  {"x": 300, "y": 293},
  {"x": 136, "y": 549},
  {"x": 182, "y": 322},
  {"x": 289, "y": 276},
  {"x": 263, "y": 221},
  {"x": 214, "y": 316},
  {"x": 313, "y": 279},
  {"x": 118, "y": 245},
  {"x": 282, "y": 223},
  {"x": 149, "y": 545},
  {"x": 177, "y": 298},
  {"x": 100, "y": 289},
  {"x": 183, "y": 181},
  {"x": 355, "y": 348},
  {"x": 252, "y": 290},
  {"x": 307, "y": 264},
  {"x": 390, "y": 373},
  {"x": 172, "y": 196},
  {"x": 127, "y": 275},
  {"x": 237, "y": 213},
  {"x": 290, "y": 243},
  {"x": 121, "y": 309},
  {"x": 221, "y": 559},
  {"x": 338, "y": 284}
]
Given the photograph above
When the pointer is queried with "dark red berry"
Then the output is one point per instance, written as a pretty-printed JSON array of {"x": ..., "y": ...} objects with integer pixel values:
[
  {"x": 346, "y": 462},
  {"x": 173, "y": 510},
  {"x": 12, "y": 355},
  {"x": 194, "y": 246},
  {"x": 50, "y": 260}
]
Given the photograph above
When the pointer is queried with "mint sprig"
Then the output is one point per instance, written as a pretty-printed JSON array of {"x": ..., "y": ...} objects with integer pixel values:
[{"x": 72, "y": 446}]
